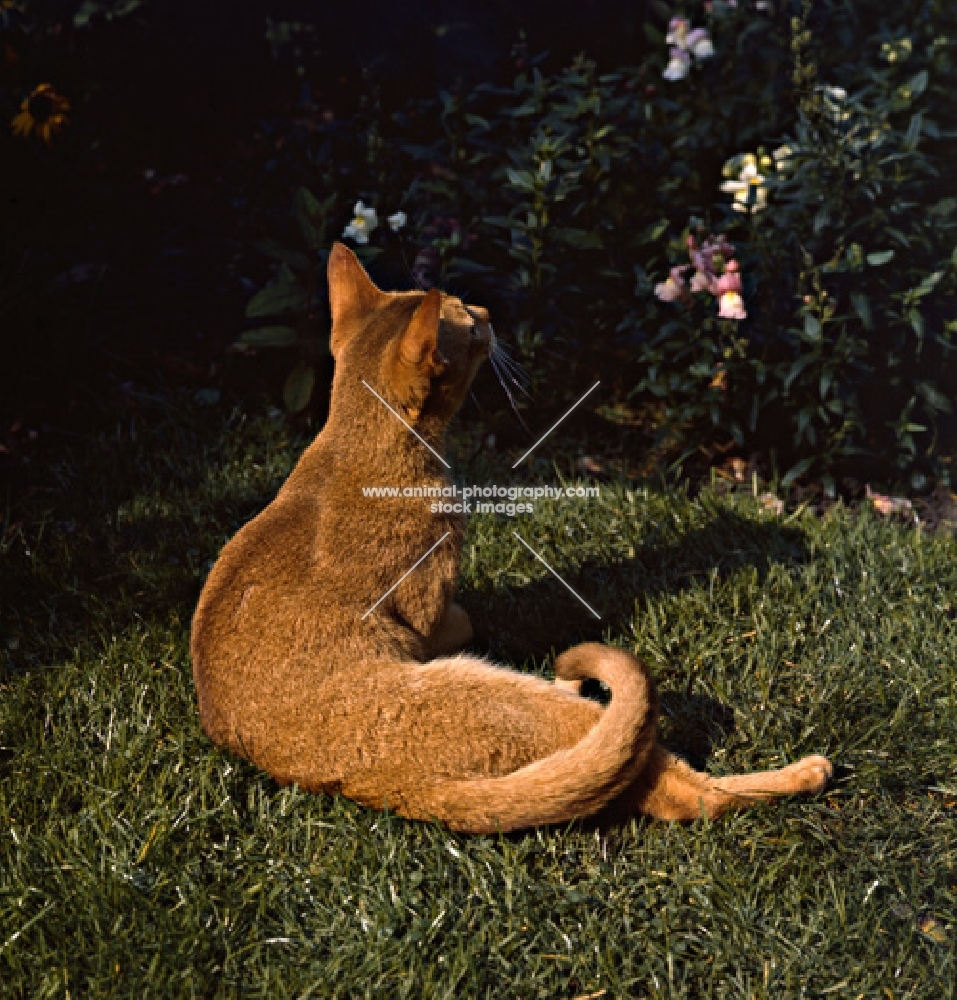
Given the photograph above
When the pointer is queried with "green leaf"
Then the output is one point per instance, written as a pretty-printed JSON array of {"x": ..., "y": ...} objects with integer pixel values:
[
  {"x": 812, "y": 328},
  {"x": 918, "y": 84},
  {"x": 311, "y": 216},
  {"x": 796, "y": 470},
  {"x": 933, "y": 397},
  {"x": 916, "y": 321},
  {"x": 928, "y": 284},
  {"x": 307, "y": 202},
  {"x": 269, "y": 336},
  {"x": 579, "y": 238},
  {"x": 297, "y": 391},
  {"x": 881, "y": 257},
  {"x": 284, "y": 295},
  {"x": 278, "y": 251},
  {"x": 521, "y": 179},
  {"x": 862, "y": 307},
  {"x": 654, "y": 231},
  {"x": 795, "y": 369},
  {"x": 913, "y": 131}
]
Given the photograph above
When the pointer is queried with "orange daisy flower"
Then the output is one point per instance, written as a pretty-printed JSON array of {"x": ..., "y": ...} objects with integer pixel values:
[{"x": 43, "y": 112}]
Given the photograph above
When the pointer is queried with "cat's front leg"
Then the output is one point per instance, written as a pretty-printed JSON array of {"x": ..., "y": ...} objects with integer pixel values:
[{"x": 453, "y": 631}]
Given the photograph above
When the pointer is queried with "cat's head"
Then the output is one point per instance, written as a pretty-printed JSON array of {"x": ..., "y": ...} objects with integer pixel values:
[{"x": 419, "y": 350}]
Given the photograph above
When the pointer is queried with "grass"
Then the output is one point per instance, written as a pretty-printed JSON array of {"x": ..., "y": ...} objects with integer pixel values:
[{"x": 137, "y": 860}]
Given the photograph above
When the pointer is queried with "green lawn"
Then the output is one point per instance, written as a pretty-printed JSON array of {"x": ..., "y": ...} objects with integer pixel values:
[{"x": 136, "y": 860}]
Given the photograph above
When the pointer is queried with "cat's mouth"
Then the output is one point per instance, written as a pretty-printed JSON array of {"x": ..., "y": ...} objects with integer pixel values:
[
  {"x": 510, "y": 374},
  {"x": 482, "y": 332}
]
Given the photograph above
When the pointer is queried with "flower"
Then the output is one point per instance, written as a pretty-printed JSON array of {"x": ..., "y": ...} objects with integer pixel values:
[
  {"x": 397, "y": 221},
  {"x": 364, "y": 221},
  {"x": 685, "y": 43},
  {"x": 772, "y": 504},
  {"x": 731, "y": 306},
  {"x": 782, "y": 157},
  {"x": 888, "y": 506},
  {"x": 715, "y": 272},
  {"x": 679, "y": 65},
  {"x": 730, "y": 281},
  {"x": 699, "y": 44},
  {"x": 43, "y": 112},
  {"x": 674, "y": 287},
  {"x": 678, "y": 28},
  {"x": 749, "y": 188},
  {"x": 834, "y": 101}
]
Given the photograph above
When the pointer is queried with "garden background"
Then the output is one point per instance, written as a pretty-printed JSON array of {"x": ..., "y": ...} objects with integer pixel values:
[{"x": 740, "y": 218}]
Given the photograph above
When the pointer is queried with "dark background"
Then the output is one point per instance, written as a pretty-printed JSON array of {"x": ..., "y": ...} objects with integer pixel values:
[{"x": 123, "y": 245}]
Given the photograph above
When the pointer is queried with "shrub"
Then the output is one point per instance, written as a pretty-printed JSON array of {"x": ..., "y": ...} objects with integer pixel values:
[{"x": 564, "y": 197}]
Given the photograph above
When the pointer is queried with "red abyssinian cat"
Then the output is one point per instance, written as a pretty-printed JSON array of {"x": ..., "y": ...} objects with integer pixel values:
[{"x": 295, "y": 673}]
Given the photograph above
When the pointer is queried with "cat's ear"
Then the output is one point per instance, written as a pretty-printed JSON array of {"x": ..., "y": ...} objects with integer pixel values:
[
  {"x": 352, "y": 292},
  {"x": 419, "y": 344},
  {"x": 419, "y": 360}
]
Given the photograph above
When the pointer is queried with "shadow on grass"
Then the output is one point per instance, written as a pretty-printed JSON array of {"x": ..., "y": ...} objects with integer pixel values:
[{"x": 541, "y": 619}]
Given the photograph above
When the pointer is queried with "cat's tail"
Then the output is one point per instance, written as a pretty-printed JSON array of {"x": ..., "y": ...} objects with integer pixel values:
[{"x": 572, "y": 783}]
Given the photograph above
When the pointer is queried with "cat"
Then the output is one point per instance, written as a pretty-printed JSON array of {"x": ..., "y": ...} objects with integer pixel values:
[{"x": 295, "y": 672}]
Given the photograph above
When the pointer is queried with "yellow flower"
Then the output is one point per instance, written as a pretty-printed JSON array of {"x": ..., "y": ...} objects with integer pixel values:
[{"x": 43, "y": 112}]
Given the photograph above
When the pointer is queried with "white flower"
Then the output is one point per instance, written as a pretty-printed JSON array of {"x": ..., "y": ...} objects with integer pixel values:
[
  {"x": 670, "y": 290},
  {"x": 679, "y": 65},
  {"x": 749, "y": 190},
  {"x": 685, "y": 43},
  {"x": 835, "y": 102},
  {"x": 731, "y": 306},
  {"x": 364, "y": 221},
  {"x": 699, "y": 44},
  {"x": 397, "y": 221},
  {"x": 781, "y": 156}
]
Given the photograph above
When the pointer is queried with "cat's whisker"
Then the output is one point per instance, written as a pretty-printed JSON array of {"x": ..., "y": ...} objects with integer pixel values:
[
  {"x": 516, "y": 373},
  {"x": 508, "y": 392},
  {"x": 503, "y": 355}
]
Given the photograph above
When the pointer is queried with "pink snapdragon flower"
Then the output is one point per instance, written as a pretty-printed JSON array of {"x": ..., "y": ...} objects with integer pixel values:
[
  {"x": 674, "y": 288},
  {"x": 699, "y": 43},
  {"x": 716, "y": 272},
  {"x": 678, "y": 28},
  {"x": 730, "y": 281},
  {"x": 731, "y": 306},
  {"x": 679, "y": 65},
  {"x": 685, "y": 42}
]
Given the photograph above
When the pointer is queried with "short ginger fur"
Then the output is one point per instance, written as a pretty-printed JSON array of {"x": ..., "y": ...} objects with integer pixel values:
[{"x": 295, "y": 673}]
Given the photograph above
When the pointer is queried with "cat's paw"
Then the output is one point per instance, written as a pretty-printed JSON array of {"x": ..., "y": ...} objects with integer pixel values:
[{"x": 811, "y": 774}]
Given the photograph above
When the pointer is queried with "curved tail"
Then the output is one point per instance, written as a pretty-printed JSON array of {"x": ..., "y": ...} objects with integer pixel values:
[{"x": 568, "y": 784}]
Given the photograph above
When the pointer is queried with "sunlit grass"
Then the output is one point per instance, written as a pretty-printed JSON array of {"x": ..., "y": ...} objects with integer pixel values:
[{"x": 137, "y": 860}]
